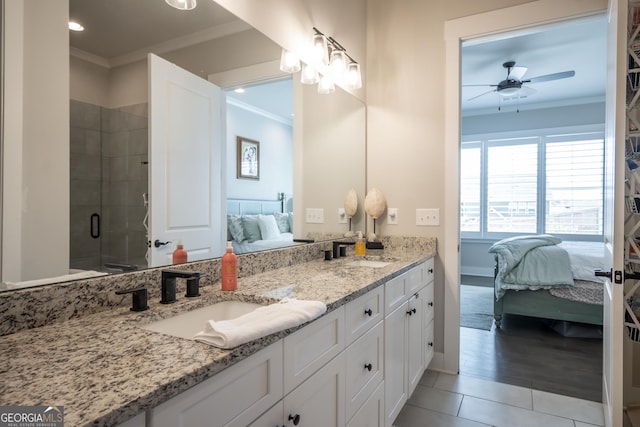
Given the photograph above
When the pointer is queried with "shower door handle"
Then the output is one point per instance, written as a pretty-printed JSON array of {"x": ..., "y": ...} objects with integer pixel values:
[{"x": 94, "y": 228}]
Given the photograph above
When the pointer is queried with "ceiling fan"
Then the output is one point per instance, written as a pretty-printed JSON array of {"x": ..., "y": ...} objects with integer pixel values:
[{"x": 513, "y": 84}]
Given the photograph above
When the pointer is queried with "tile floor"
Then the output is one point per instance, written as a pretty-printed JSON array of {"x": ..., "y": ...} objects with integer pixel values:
[{"x": 443, "y": 400}]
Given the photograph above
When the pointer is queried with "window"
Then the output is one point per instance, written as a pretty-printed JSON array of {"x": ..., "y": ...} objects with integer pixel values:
[{"x": 534, "y": 184}]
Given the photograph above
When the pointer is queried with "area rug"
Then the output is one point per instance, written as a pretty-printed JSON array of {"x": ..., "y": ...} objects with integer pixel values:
[{"x": 476, "y": 307}]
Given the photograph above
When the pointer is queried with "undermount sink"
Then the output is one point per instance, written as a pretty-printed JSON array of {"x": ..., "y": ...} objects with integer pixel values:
[
  {"x": 186, "y": 325},
  {"x": 367, "y": 263}
]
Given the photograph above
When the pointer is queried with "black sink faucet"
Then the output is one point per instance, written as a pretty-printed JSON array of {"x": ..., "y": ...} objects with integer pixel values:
[
  {"x": 336, "y": 247},
  {"x": 168, "y": 281}
]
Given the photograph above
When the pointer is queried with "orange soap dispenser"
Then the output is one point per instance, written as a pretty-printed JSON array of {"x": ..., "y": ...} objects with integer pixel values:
[
  {"x": 179, "y": 255},
  {"x": 229, "y": 269}
]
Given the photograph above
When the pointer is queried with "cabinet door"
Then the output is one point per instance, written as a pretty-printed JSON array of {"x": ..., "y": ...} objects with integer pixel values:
[
  {"x": 427, "y": 298},
  {"x": 365, "y": 367},
  {"x": 371, "y": 414},
  {"x": 137, "y": 421},
  {"x": 234, "y": 397},
  {"x": 320, "y": 400},
  {"x": 415, "y": 347},
  {"x": 428, "y": 344},
  {"x": 395, "y": 375}
]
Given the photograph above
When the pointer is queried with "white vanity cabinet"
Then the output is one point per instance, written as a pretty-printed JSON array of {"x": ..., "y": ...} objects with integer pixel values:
[
  {"x": 234, "y": 397},
  {"x": 137, "y": 421},
  {"x": 404, "y": 333}
]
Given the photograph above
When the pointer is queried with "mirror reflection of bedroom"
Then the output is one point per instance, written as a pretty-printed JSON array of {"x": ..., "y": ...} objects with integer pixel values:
[{"x": 531, "y": 209}]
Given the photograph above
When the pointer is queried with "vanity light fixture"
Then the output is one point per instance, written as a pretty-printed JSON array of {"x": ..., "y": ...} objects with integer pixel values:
[
  {"x": 182, "y": 4},
  {"x": 289, "y": 62},
  {"x": 74, "y": 26},
  {"x": 329, "y": 64}
]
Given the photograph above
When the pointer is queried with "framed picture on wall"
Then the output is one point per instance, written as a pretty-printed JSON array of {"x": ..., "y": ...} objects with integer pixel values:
[{"x": 248, "y": 158}]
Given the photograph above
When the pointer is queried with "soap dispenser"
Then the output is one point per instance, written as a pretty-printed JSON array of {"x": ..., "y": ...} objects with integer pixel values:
[
  {"x": 361, "y": 245},
  {"x": 229, "y": 269},
  {"x": 179, "y": 255}
]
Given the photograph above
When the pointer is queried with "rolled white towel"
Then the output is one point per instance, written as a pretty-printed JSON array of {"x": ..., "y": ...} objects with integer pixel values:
[{"x": 262, "y": 321}]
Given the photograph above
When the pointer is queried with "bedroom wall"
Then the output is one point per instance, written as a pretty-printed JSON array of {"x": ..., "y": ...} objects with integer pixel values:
[{"x": 276, "y": 154}]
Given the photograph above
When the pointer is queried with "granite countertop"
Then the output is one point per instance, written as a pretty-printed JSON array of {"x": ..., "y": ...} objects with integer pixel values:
[{"x": 104, "y": 369}]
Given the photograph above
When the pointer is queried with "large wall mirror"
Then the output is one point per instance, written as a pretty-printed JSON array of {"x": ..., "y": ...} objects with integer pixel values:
[{"x": 108, "y": 201}]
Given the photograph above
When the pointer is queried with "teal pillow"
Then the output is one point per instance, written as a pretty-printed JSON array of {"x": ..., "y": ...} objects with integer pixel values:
[
  {"x": 234, "y": 225},
  {"x": 282, "y": 219},
  {"x": 251, "y": 228}
]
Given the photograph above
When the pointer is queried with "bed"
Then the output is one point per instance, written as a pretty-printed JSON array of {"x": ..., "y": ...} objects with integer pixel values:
[
  {"x": 259, "y": 224},
  {"x": 543, "y": 277}
]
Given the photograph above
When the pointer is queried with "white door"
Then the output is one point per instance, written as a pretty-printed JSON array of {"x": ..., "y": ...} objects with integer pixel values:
[
  {"x": 186, "y": 134},
  {"x": 614, "y": 212}
]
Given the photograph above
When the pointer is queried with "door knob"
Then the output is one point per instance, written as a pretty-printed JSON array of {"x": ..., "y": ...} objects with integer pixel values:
[{"x": 158, "y": 243}]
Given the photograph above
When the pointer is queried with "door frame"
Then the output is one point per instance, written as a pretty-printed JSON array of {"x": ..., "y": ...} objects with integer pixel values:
[{"x": 485, "y": 25}]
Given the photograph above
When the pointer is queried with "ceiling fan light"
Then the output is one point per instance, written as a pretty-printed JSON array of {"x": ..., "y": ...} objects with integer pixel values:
[
  {"x": 182, "y": 4},
  {"x": 509, "y": 91}
]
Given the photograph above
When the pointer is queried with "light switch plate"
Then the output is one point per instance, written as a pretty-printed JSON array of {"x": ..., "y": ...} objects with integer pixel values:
[
  {"x": 314, "y": 215},
  {"x": 392, "y": 216},
  {"x": 342, "y": 216},
  {"x": 427, "y": 217}
]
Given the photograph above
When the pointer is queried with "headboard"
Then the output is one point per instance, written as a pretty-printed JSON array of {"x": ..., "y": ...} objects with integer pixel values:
[{"x": 257, "y": 206}]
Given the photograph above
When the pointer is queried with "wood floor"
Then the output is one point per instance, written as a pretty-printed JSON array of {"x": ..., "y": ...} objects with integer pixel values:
[{"x": 527, "y": 352}]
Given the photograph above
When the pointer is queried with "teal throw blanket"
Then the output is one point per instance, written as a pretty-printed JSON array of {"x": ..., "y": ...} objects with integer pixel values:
[{"x": 531, "y": 262}]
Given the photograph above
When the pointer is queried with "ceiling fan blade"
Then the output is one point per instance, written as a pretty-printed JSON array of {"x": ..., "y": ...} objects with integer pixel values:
[
  {"x": 548, "y": 77},
  {"x": 517, "y": 73},
  {"x": 482, "y": 94}
]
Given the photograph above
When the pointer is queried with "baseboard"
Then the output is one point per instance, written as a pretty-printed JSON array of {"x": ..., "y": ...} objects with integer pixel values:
[{"x": 477, "y": 271}]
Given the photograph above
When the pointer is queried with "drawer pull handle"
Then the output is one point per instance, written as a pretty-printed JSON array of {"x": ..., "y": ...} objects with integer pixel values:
[
  {"x": 431, "y": 271},
  {"x": 295, "y": 418},
  {"x": 411, "y": 312},
  {"x": 368, "y": 367},
  {"x": 368, "y": 312},
  {"x": 430, "y": 304},
  {"x": 430, "y": 344}
]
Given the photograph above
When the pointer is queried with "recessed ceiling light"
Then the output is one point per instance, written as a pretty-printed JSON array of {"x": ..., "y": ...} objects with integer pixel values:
[
  {"x": 239, "y": 90},
  {"x": 74, "y": 26}
]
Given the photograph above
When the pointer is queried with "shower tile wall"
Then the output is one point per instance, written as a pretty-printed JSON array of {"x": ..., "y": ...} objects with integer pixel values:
[{"x": 122, "y": 168}]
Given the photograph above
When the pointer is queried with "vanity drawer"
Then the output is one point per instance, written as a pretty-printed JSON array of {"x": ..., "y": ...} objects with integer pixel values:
[
  {"x": 365, "y": 367},
  {"x": 310, "y": 348},
  {"x": 364, "y": 312},
  {"x": 236, "y": 395},
  {"x": 414, "y": 280},
  {"x": 394, "y": 295},
  {"x": 427, "y": 271},
  {"x": 427, "y": 297}
]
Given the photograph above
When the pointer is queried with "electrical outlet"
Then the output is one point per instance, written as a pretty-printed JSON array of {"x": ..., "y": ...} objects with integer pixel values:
[
  {"x": 314, "y": 215},
  {"x": 342, "y": 216},
  {"x": 392, "y": 216},
  {"x": 428, "y": 217}
]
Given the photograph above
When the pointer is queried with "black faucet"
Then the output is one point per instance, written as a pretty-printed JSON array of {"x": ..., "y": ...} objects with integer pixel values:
[
  {"x": 336, "y": 247},
  {"x": 168, "y": 281}
]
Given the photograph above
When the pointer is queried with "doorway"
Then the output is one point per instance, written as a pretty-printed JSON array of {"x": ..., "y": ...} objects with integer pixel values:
[{"x": 519, "y": 17}]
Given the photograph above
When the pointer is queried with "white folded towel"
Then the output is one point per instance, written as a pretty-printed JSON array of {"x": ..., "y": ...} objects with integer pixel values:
[{"x": 262, "y": 321}]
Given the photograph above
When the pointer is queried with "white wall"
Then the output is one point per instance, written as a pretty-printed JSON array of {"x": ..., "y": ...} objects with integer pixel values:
[
  {"x": 276, "y": 154},
  {"x": 38, "y": 153}
]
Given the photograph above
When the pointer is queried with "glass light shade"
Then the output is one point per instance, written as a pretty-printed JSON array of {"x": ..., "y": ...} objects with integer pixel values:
[
  {"x": 320, "y": 50},
  {"x": 354, "y": 78},
  {"x": 289, "y": 62},
  {"x": 510, "y": 91},
  {"x": 325, "y": 85},
  {"x": 338, "y": 65},
  {"x": 182, "y": 4},
  {"x": 309, "y": 75}
]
